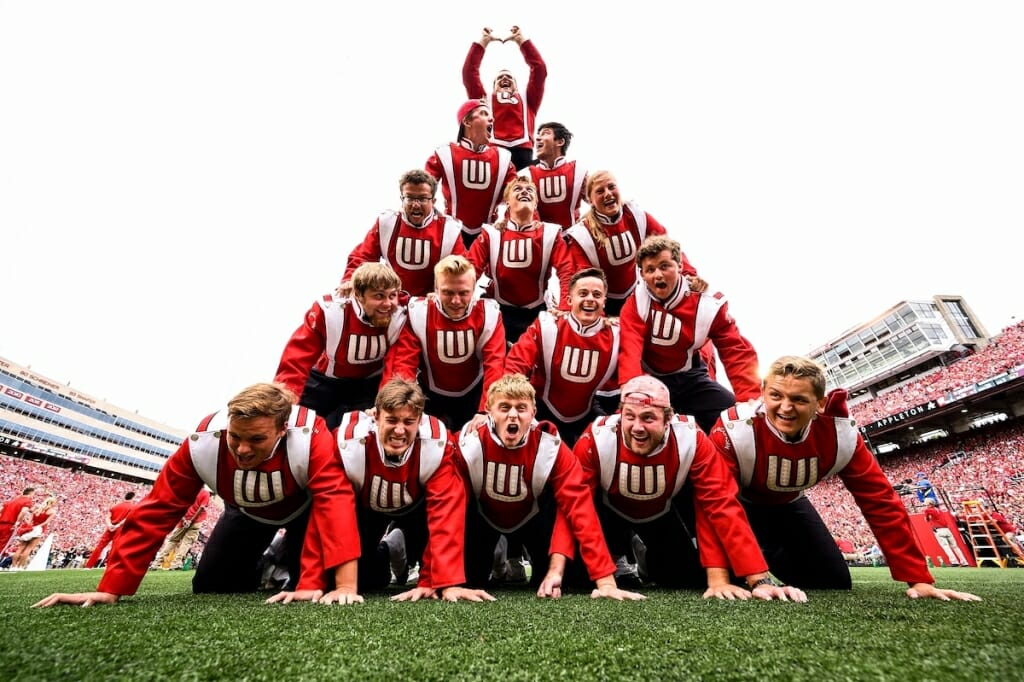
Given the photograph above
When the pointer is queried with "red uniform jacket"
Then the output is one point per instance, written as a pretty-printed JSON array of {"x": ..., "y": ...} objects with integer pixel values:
[
  {"x": 559, "y": 191},
  {"x": 304, "y": 469},
  {"x": 412, "y": 252},
  {"x": 514, "y": 114},
  {"x": 666, "y": 338},
  {"x": 566, "y": 362},
  {"x": 641, "y": 488},
  {"x": 771, "y": 470},
  {"x": 453, "y": 354},
  {"x": 472, "y": 181},
  {"x": 616, "y": 254},
  {"x": 425, "y": 474},
  {"x": 336, "y": 341},
  {"x": 520, "y": 262},
  {"x": 507, "y": 482}
]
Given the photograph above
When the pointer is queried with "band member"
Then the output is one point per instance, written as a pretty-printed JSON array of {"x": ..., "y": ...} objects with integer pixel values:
[
  {"x": 335, "y": 358},
  {"x": 796, "y": 437},
  {"x": 519, "y": 472},
  {"x": 453, "y": 344}
]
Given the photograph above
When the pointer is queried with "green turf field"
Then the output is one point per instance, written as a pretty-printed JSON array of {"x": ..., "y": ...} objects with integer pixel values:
[{"x": 164, "y": 632}]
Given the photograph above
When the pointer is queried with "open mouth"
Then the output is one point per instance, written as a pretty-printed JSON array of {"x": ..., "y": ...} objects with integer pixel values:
[{"x": 512, "y": 429}]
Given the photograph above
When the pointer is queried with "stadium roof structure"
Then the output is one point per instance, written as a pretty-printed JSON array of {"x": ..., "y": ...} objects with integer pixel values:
[{"x": 45, "y": 420}]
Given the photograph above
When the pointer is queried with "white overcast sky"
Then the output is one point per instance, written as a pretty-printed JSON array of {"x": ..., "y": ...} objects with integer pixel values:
[{"x": 179, "y": 180}]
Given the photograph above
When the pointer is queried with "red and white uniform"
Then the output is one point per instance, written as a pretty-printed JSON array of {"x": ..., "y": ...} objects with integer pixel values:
[
  {"x": 663, "y": 338},
  {"x": 771, "y": 471},
  {"x": 566, "y": 362},
  {"x": 520, "y": 262},
  {"x": 640, "y": 488},
  {"x": 426, "y": 473},
  {"x": 411, "y": 251},
  {"x": 472, "y": 181},
  {"x": 507, "y": 483},
  {"x": 559, "y": 190},
  {"x": 616, "y": 254},
  {"x": 303, "y": 470},
  {"x": 9, "y": 516},
  {"x": 453, "y": 354},
  {"x": 514, "y": 114},
  {"x": 335, "y": 339}
]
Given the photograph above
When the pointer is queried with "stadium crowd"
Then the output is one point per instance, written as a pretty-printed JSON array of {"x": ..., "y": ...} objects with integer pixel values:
[
  {"x": 985, "y": 464},
  {"x": 1004, "y": 353},
  {"x": 83, "y": 501}
]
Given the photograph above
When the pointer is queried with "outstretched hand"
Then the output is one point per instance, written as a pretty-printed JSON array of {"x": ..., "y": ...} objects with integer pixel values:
[
  {"x": 77, "y": 599},
  {"x": 516, "y": 36},
  {"x": 929, "y": 591}
]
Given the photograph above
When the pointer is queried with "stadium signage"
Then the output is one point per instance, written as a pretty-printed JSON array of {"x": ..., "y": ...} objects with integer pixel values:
[
  {"x": 909, "y": 413},
  {"x": 14, "y": 394}
]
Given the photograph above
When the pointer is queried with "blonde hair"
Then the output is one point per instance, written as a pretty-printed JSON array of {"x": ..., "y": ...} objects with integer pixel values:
[
  {"x": 374, "y": 277},
  {"x": 515, "y": 386},
  {"x": 263, "y": 400},
  {"x": 799, "y": 368},
  {"x": 590, "y": 219},
  {"x": 453, "y": 265}
]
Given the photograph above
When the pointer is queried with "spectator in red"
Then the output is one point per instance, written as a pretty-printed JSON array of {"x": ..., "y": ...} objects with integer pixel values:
[
  {"x": 115, "y": 517},
  {"x": 943, "y": 525},
  {"x": 180, "y": 540},
  {"x": 10, "y": 513}
]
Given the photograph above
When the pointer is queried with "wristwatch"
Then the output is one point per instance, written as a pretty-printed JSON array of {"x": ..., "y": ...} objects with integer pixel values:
[{"x": 764, "y": 581}]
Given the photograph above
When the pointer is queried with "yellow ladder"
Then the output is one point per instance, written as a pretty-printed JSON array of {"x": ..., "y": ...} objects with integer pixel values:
[{"x": 989, "y": 543}]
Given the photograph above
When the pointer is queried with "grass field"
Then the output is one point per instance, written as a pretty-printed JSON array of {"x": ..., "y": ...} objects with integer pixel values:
[{"x": 871, "y": 633}]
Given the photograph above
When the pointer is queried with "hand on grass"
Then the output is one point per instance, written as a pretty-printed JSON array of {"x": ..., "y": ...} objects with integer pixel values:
[
  {"x": 465, "y": 594},
  {"x": 341, "y": 598},
  {"x": 77, "y": 599},
  {"x": 297, "y": 595},
  {"x": 727, "y": 591},
  {"x": 550, "y": 587},
  {"x": 608, "y": 589},
  {"x": 780, "y": 592},
  {"x": 928, "y": 591},
  {"x": 415, "y": 594}
]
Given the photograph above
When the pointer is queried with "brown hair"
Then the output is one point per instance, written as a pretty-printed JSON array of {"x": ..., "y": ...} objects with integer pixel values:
[
  {"x": 655, "y": 244},
  {"x": 399, "y": 393},
  {"x": 263, "y": 400}
]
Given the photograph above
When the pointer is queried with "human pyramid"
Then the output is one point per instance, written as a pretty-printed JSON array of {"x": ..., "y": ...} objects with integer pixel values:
[{"x": 441, "y": 403}]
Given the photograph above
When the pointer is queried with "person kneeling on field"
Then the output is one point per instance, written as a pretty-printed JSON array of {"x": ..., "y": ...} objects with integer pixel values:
[
  {"x": 275, "y": 465},
  {"x": 793, "y": 438}
]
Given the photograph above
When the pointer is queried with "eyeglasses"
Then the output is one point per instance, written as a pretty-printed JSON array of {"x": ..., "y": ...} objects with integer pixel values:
[{"x": 417, "y": 200}]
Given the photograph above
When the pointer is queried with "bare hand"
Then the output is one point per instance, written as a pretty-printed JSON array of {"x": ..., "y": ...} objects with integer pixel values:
[
  {"x": 613, "y": 592},
  {"x": 487, "y": 37},
  {"x": 344, "y": 289},
  {"x": 727, "y": 591},
  {"x": 550, "y": 587},
  {"x": 698, "y": 285},
  {"x": 516, "y": 36},
  {"x": 476, "y": 422},
  {"x": 77, "y": 598},
  {"x": 465, "y": 594},
  {"x": 341, "y": 598},
  {"x": 415, "y": 594},
  {"x": 929, "y": 591},
  {"x": 297, "y": 595},
  {"x": 786, "y": 593}
]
